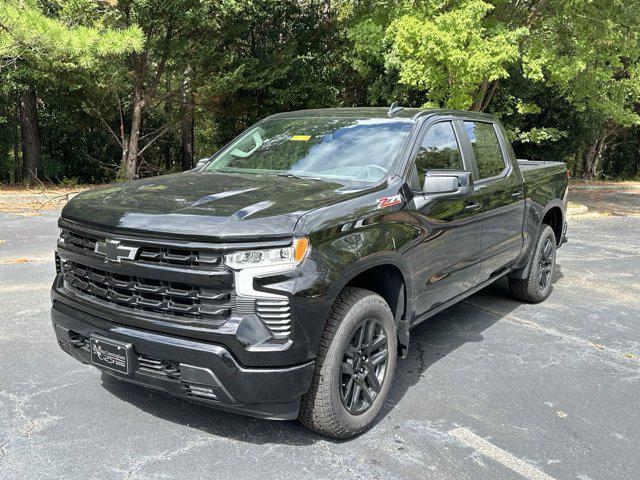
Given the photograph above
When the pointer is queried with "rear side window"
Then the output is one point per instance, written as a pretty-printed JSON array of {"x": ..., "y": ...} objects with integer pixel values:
[
  {"x": 486, "y": 148},
  {"x": 439, "y": 151}
]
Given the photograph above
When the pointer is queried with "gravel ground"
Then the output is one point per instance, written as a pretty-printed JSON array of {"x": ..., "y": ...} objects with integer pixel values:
[{"x": 491, "y": 387}]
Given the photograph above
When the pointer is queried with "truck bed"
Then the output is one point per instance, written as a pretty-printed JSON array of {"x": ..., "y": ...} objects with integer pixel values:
[
  {"x": 543, "y": 180},
  {"x": 528, "y": 165}
]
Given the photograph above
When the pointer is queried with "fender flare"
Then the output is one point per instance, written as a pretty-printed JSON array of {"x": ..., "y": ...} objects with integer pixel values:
[
  {"x": 523, "y": 272},
  {"x": 556, "y": 202},
  {"x": 405, "y": 300}
]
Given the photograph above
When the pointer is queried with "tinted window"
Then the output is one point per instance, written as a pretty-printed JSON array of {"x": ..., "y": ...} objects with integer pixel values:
[
  {"x": 354, "y": 149},
  {"x": 439, "y": 151},
  {"x": 486, "y": 148}
]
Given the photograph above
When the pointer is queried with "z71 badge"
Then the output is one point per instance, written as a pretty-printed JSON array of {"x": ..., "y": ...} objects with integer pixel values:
[{"x": 385, "y": 202}]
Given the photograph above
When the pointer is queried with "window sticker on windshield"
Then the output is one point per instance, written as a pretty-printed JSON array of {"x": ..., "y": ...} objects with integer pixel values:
[{"x": 300, "y": 138}]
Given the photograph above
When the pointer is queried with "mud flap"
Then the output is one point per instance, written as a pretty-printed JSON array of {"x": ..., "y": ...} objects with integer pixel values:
[{"x": 402, "y": 325}]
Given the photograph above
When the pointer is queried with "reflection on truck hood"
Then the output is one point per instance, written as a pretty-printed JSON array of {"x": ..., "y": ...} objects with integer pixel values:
[{"x": 206, "y": 204}]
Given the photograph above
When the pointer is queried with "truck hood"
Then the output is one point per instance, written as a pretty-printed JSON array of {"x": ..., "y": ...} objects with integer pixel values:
[{"x": 208, "y": 205}]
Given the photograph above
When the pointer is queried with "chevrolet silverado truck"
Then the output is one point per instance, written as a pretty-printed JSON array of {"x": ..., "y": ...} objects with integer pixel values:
[{"x": 281, "y": 277}]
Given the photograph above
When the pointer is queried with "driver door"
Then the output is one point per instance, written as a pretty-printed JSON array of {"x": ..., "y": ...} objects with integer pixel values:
[{"x": 447, "y": 258}]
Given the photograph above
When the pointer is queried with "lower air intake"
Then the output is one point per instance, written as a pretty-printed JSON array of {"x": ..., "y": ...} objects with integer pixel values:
[
  {"x": 276, "y": 315},
  {"x": 201, "y": 392}
]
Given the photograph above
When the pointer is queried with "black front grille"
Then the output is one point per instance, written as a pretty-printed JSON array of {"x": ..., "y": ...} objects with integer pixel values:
[
  {"x": 170, "y": 299},
  {"x": 184, "y": 257}
]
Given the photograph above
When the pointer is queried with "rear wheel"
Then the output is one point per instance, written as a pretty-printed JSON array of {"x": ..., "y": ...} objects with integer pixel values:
[
  {"x": 354, "y": 367},
  {"x": 538, "y": 284}
]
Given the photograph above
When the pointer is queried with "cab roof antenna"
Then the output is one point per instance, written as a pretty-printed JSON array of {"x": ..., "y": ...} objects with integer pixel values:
[{"x": 394, "y": 108}]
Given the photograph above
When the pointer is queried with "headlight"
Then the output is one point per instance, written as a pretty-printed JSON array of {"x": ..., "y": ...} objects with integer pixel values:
[{"x": 292, "y": 256}]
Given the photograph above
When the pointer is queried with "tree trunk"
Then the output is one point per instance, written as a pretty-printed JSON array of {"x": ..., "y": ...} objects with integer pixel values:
[
  {"x": 483, "y": 95},
  {"x": 168, "y": 161},
  {"x": 591, "y": 159},
  {"x": 30, "y": 135},
  {"x": 187, "y": 127},
  {"x": 17, "y": 168},
  {"x": 131, "y": 145},
  {"x": 326, "y": 9},
  {"x": 142, "y": 97},
  {"x": 17, "y": 161},
  {"x": 637, "y": 169}
]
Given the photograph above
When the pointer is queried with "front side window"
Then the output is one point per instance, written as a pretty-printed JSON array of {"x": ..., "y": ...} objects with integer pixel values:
[
  {"x": 350, "y": 149},
  {"x": 439, "y": 151},
  {"x": 486, "y": 148}
]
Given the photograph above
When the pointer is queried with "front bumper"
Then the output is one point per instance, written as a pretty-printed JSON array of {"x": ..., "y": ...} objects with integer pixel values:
[{"x": 198, "y": 371}]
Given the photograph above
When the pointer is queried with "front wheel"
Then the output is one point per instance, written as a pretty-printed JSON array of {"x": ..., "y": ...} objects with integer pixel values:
[
  {"x": 537, "y": 286},
  {"x": 354, "y": 367}
]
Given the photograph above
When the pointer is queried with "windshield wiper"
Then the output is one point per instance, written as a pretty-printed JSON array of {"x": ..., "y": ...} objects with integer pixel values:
[{"x": 301, "y": 177}]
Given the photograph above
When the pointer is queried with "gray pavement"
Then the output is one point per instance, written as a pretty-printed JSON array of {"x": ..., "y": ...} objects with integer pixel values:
[
  {"x": 612, "y": 202},
  {"x": 553, "y": 386}
]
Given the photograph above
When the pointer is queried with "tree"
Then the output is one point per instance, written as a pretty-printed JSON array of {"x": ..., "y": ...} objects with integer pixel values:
[
  {"x": 589, "y": 50},
  {"x": 93, "y": 90},
  {"x": 38, "y": 45},
  {"x": 456, "y": 55},
  {"x": 175, "y": 34}
]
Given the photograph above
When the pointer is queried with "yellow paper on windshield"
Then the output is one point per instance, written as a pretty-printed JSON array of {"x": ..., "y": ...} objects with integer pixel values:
[{"x": 300, "y": 138}]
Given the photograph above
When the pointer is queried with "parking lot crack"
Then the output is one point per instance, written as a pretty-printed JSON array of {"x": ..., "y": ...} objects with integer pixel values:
[
  {"x": 18, "y": 403},
  {"x": 167, "y": 455},
  {"x": 28, "y": 425},
  {"x": 338, "y": 461}
]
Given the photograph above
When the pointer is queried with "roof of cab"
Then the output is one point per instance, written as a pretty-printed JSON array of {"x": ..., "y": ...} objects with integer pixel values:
[
  {"x": 350, "y": 112},
  {"x": 375, "y": 112}
]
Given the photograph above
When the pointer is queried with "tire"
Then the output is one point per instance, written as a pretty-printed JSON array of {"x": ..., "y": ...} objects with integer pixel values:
[
  {"x": 538, "y": 284},
  {"x": 334, "y": 406}
]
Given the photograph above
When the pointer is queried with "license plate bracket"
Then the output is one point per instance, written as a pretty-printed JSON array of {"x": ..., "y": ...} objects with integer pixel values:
[{"x": 110, "y": 354}]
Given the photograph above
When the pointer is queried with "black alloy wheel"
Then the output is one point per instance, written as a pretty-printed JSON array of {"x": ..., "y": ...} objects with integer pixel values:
[
  {"x": 363, "y": 367},
  {"x": 546, "y": 264},
  {"x": 538, "y": 283},
  {"x": 354, "y": 367}
]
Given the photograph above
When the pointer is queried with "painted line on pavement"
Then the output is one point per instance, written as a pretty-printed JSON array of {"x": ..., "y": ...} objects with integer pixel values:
[
  {"x": 488, "y": 449},
  {"x": 22, "y": 260}
]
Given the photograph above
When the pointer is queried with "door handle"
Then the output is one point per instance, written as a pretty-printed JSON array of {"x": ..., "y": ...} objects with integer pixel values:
[
  {"x": 517, "y": 194},
  {"x": 473, "y": 206}
]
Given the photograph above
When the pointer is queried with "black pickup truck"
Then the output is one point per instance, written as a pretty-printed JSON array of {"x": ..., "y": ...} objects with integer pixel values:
[{"x": 281, "y": 277}]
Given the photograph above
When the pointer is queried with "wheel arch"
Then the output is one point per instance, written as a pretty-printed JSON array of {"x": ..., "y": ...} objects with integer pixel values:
[
  {"x": 554, "y": 217},
  {"x": 552, "y": 214},
  {"x": 388, "y": 277}
]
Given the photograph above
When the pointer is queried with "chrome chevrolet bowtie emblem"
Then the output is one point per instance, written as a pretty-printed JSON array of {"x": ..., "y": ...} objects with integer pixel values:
[{"x": 113, "y": 251}]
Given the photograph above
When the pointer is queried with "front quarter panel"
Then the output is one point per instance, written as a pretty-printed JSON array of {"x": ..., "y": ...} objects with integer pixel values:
[{"x": 346, "y": 240}]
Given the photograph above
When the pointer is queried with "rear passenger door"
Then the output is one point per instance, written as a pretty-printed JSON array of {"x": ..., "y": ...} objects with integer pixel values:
[
  {"x": 503, "y": 202},
  {"x": 446, "y": 259}
]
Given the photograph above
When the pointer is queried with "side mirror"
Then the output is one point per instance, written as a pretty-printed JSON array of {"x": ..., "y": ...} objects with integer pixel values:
[
  {"x": 456, "y": 183},
  {"x": 201, "y": 163}
]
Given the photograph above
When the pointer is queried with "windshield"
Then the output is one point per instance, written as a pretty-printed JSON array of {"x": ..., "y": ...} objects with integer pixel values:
[{"x": 324, "y": 148}]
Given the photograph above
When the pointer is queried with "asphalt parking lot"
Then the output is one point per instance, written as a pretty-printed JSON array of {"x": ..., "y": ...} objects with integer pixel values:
[{"x": 491, "y": 387}]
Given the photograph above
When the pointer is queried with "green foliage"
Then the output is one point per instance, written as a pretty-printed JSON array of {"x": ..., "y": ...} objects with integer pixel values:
[
  {"x": 562, "y": 76},
  {"x": 540, "y": 135},
  {"x": 451, "y": 53},
  {"x": 28, "y": 35},
  {"x": 589, "y": 50}
]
